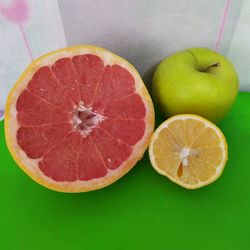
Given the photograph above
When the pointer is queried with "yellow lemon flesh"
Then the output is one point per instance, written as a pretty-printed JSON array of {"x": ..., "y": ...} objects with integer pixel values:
[{"x": 189, "y": 150}]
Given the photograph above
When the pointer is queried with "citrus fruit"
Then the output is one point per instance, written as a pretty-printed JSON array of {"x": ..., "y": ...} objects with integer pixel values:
[
  {"x": 78, "y": 119},
  {"x": 189, "y": 150}
]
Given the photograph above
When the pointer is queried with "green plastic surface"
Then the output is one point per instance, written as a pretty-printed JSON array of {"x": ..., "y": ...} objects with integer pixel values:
[{"x": 143, "y": 210}]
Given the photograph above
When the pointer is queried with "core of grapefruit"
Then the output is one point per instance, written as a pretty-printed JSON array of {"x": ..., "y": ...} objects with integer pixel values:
[{"x": 78, "y": 119}]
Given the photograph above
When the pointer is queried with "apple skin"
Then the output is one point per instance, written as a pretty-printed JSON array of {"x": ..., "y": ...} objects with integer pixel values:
[{"x": 195, "y": 81}]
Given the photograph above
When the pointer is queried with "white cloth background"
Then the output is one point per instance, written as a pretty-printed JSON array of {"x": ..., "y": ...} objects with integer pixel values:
[
  {"x": 143, "y": 31},
  {"x": 22, "y": 39}
]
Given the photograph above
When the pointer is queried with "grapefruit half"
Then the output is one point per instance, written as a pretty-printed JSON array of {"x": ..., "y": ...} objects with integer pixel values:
[{"x": 78, "y": 119}]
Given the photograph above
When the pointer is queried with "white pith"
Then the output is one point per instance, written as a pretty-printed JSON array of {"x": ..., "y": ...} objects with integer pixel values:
[
  {"x": 184, "y": 154},
  {"x": 82, "y": 123}
]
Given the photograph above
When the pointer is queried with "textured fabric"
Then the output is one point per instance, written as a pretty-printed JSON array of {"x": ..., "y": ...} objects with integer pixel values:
[
  {"x": 28, "y": 29},
  {"x": 143, "y": 31},
  {"x": 239, "y": 51}
]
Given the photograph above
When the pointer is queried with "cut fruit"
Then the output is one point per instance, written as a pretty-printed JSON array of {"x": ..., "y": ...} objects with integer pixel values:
[
  {"x": 189, "y": 150},
  {"x": 78, "y": 119}
]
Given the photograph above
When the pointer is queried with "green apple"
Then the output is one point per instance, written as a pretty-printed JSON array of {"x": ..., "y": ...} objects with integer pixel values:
[{"x": 196, "y": 81}]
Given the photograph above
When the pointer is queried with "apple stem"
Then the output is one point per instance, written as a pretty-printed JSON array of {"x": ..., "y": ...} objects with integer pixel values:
[{"x": 211, "y": 66}]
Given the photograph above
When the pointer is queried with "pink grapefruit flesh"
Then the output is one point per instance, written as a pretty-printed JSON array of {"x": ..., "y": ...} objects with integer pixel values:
[{"x": 78, "y": 119}]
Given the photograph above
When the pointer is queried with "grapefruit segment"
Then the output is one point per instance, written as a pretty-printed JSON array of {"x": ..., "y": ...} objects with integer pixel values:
[
  {"x": 116, "y": 153},
  {"x": 36, "y": 140},
  {"x": 90, "y": 162},
  {"x": 116, "y": 83},
  {"x": 64, "y": 71},
  {"x": 78, "y": 119},
  {"x": 126, "y": 130},
  {"x": 32, "y": 110},
  {"x": 89, "y": 69},
  {"x": 60, "y": 162},
  {"x": 45, "y": 85},
  {"x": 135, "y": 108}
]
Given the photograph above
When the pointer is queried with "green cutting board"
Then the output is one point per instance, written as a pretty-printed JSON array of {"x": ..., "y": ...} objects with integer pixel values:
[{"x": 143, "y": 210}]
